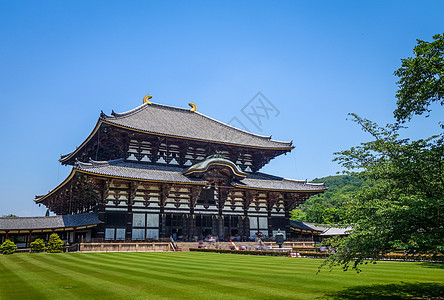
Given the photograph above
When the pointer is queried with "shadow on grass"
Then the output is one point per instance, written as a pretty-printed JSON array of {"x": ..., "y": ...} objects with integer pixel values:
[
  {"x": 425, "y": 290},
  {"x": 433, "y": 265}
]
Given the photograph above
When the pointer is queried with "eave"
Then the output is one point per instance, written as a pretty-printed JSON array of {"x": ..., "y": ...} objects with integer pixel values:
[{"x": 71, "y": 155}]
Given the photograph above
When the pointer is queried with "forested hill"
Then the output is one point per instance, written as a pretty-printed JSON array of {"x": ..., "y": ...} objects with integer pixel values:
[{"x": 329, "y": 207}]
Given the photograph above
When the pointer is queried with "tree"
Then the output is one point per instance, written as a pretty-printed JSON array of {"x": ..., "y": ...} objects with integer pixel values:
[
  {"x": 421, "y": 79},
  {"x": 38, "y": 245},
  {"x": 10, "y": 216},
  {"x": 403, "y": 208},
  {"x": 55, "y": 244},
  {"x": 331, "y": 206},
  {"x": 8, "y": 247}
]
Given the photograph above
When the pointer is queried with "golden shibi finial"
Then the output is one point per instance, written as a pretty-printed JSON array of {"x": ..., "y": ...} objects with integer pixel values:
[
  {"x": 147, "y": 98},
  {"x": 193, "y": 106}
]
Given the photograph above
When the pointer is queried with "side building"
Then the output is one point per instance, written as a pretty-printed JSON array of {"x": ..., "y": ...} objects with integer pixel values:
[{"x": 159, "y": 171}]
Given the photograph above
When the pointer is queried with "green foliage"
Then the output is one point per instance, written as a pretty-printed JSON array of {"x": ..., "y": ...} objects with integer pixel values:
[
  {"x": 330, "y": 207},
  {"x": 8, "y": 247},
  {"x": 38, "y": 245},
  {"x": 55, "y": 244},
  {"x": 404, "y": 206},
  {"x": 10, "y": 216},
  {"x": 421, "y": 79}
]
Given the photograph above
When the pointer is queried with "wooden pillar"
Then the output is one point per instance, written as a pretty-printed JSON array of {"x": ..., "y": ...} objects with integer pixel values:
[
  {"x": 132, "y": 190},
  {"x": 164, "y": 192},
  {"x": 162, "y": 223},
  {"x": 7, "y": 235},
  {"x": 100, "y": 231},
  {"x": 222, "y": 197},
  {"x": 247, "y": 199},
  {"x": 220, "y": 227},
  {"x": 214, "y": 227},
  {"x": 29, "y": 238},
  {"x": 192, "y": 227},
  {"x": 287, "y": 224},
  {"x": 129, "y": 224},
  {"x": 194, "y": 196},
  {"x": 241, "y": 227},
  {"x": 270, "y": 228},
  {"x": 74, "y": 236},
  {"x": 246, "y": 225}
]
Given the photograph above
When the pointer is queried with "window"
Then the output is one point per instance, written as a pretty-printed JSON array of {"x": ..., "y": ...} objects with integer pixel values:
[
  {"x": 109, "y": 233},
  {"x": 115, "y": 234},
  {"x": 138, "y": 234},
  {"x": 253, "y": 222},
  {"x": 152, "y": 234},
  {"x": 138, "y": 220},
  {"x": 120, "y": 234},
  {"x": 263, "y": 222},
  {"x": 152, "y": 220}
]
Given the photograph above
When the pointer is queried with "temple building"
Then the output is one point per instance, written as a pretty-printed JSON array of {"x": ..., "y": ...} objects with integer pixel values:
[{"x": 159, "y": 171}]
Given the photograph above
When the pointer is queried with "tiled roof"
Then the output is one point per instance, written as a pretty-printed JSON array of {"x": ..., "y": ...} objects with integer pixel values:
[
  {"x": 337, "y": 231},
  {"x": 122, "y": 169},
  {"x": 52, "y": 222},
  {"x": 306, "y": 226},
  {"x": 326, "y": 230},
  {"x": 270, "y": 182},
  {"x": 180, "y": 122}
]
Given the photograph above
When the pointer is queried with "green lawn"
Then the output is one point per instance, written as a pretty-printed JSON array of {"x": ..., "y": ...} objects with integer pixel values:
[{"x": 193, "y": 275}]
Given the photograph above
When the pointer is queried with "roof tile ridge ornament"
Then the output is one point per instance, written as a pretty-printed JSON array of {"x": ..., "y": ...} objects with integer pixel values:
[
  {"x": 146, "y": 99},
  {"x": 193, "y": 106}
]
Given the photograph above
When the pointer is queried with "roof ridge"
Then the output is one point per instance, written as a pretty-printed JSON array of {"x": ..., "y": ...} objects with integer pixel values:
[
  {"x": 142, "y": 107},
  {"x": 126, "y": 113},
  {"x": 316, "y": 183},
  {"x": 296, "y": 180},
  {"x": 116, "y": 116},
  {"x": 9, "y": 218}
]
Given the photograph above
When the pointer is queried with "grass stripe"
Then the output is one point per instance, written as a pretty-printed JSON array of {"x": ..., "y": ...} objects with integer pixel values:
[{"x": 191, "y": 275}]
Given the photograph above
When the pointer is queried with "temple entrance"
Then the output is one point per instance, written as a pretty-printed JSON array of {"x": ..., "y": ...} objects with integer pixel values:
[
  {"x": 231, "y": 229},
  {"x": 204, "y": 225},
  {"x": 175, "y": 224}
]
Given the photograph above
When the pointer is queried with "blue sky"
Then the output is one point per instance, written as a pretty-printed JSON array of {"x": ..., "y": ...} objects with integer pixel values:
[{"x": 62, "y": 62}]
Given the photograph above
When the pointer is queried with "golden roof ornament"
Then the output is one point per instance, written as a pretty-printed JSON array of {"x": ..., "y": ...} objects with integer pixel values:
[
  {"x": 193, "y": 106},
  {"x": 147, "y": 98}
]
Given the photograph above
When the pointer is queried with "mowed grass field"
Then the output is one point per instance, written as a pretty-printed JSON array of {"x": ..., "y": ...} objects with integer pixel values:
[{"x": 192, "y": 275}]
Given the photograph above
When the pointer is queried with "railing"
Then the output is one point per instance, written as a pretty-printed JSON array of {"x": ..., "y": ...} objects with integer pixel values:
[
  {"x": 125, "y": 247},
  {"x": 71, "y": 248}
]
